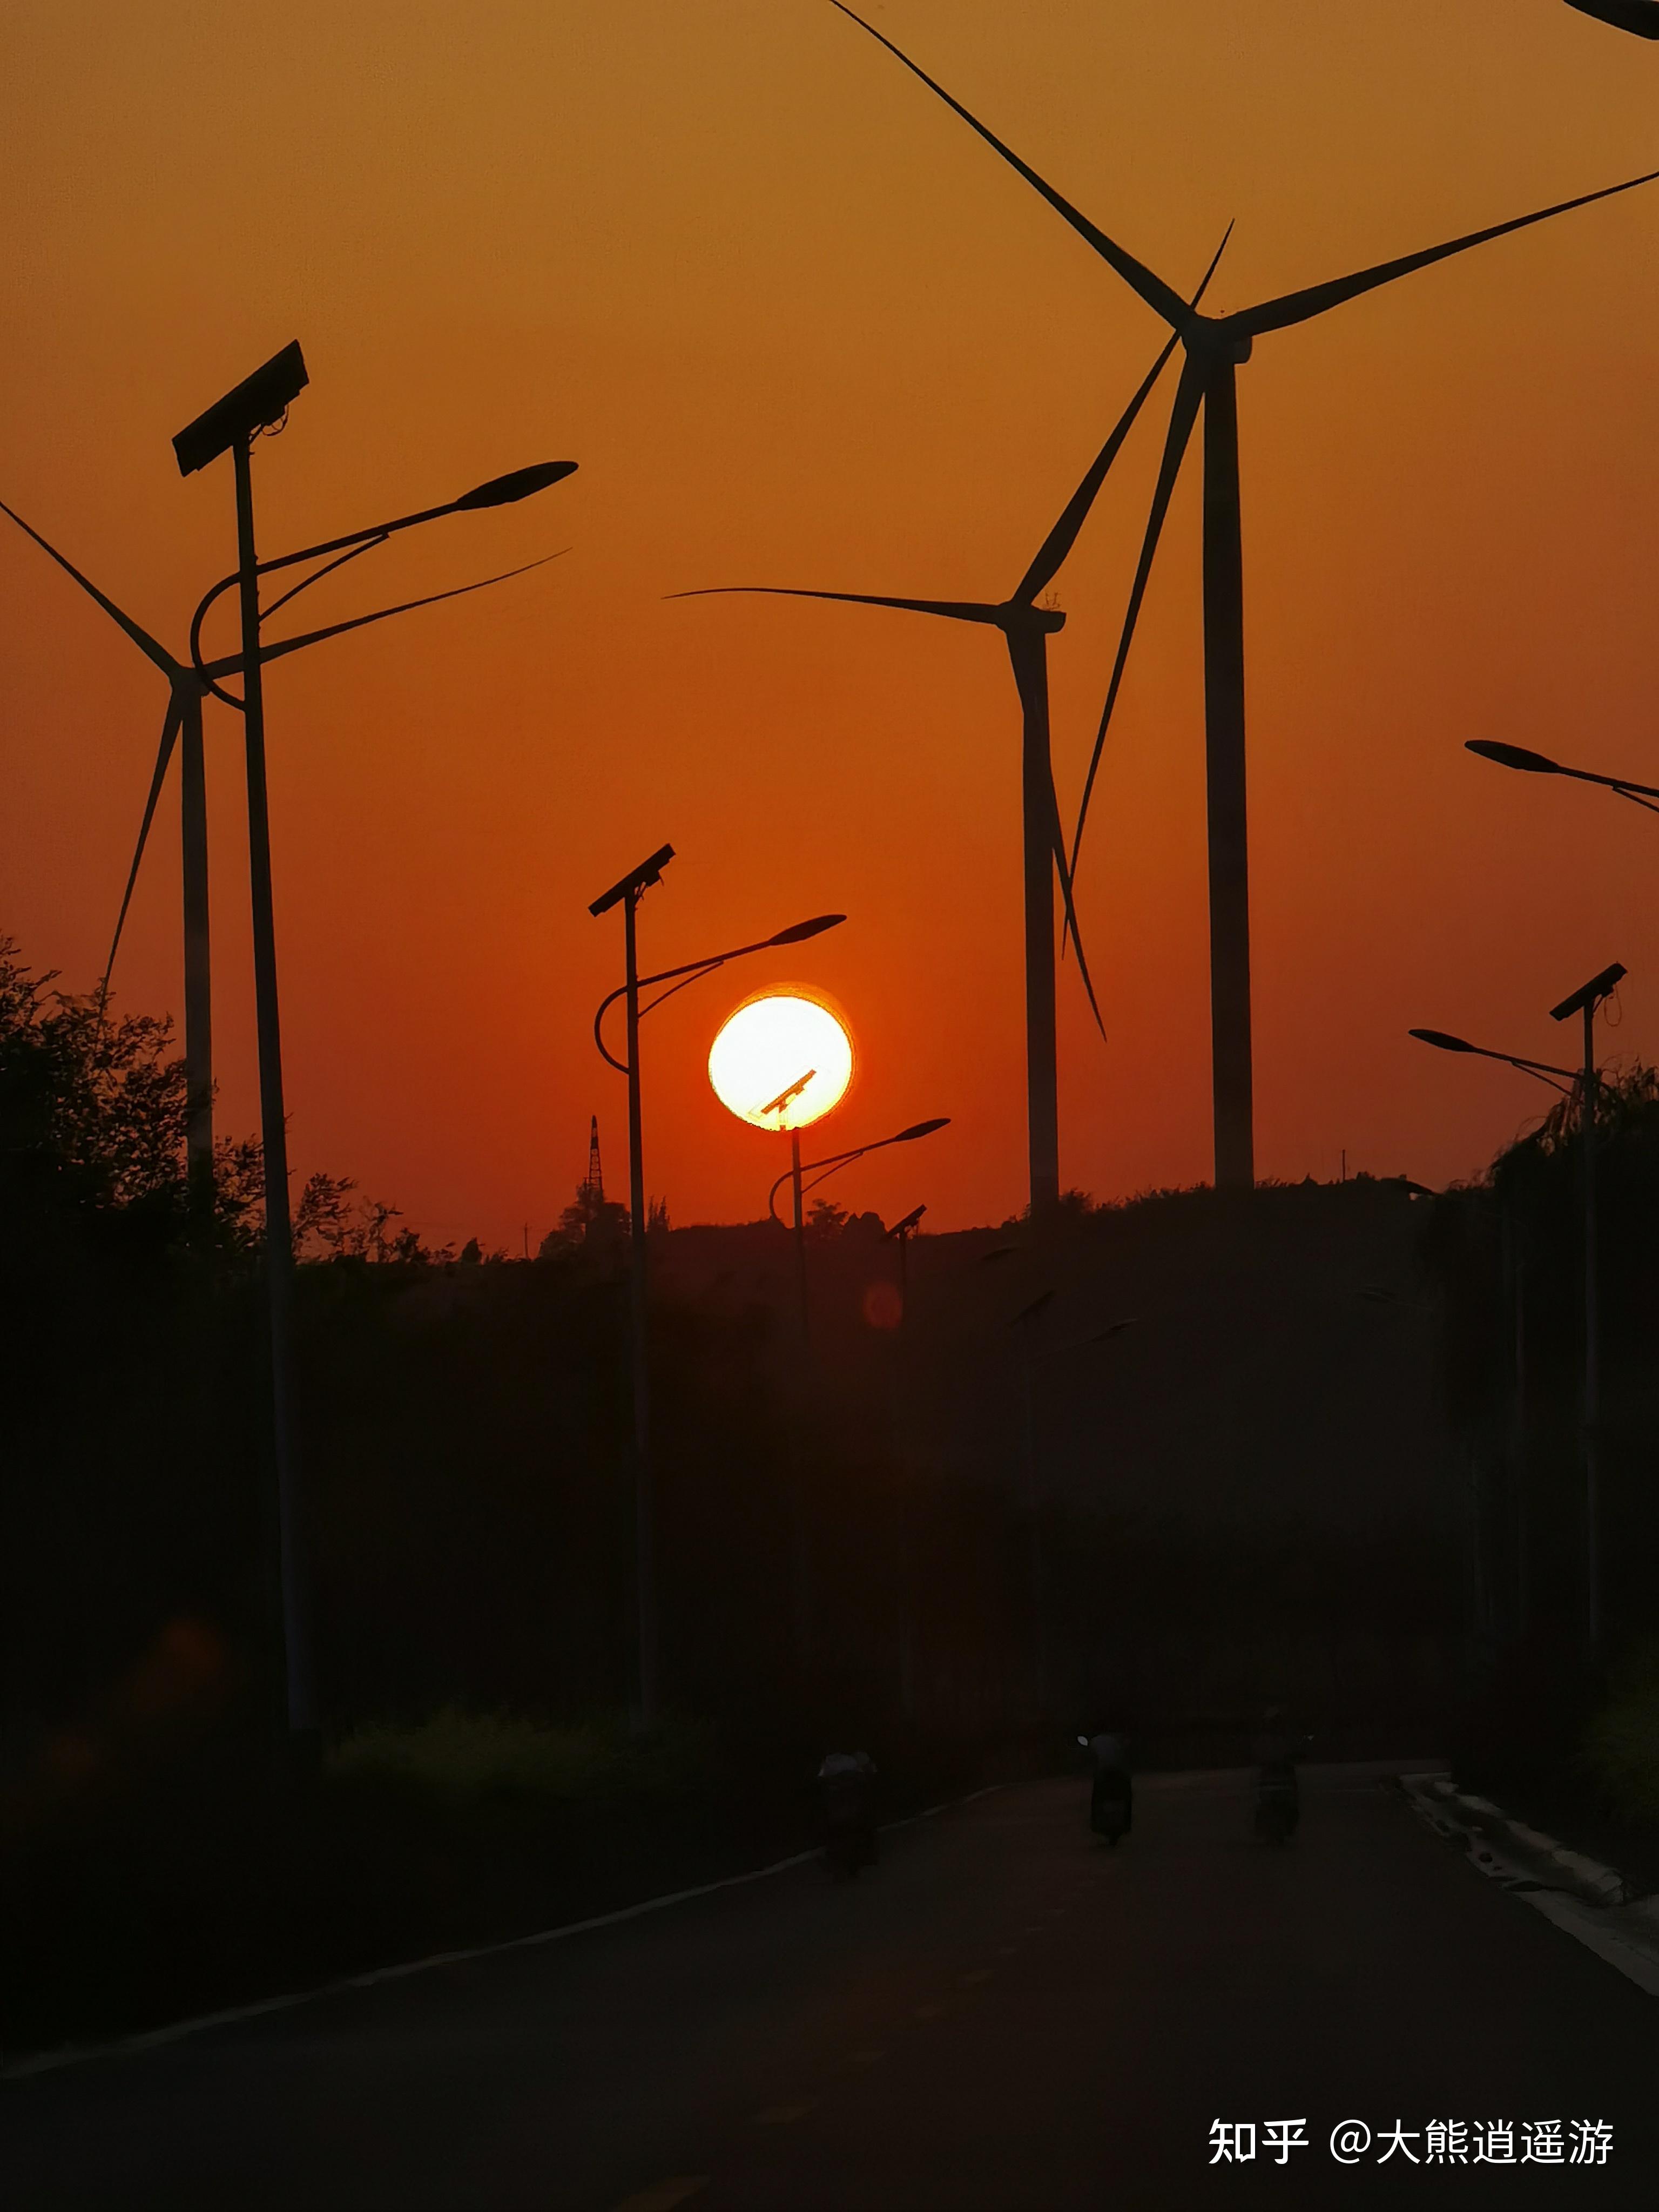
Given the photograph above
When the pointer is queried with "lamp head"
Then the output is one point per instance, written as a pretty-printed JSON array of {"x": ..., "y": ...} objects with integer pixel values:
[
  {"x": 1513, "y": 757},
  {"x": 637, "y": 880},
  {"x": 1440, "y": 1041},
  {"x": 921, "y": 1129},
  {"x": 799, "y": 932},
  {"x": 1592, "y": 994},
  {"x": 501, "y": 491},
  {"x": 257, "y": 400},
  {"x": 904, "y": 1228}
]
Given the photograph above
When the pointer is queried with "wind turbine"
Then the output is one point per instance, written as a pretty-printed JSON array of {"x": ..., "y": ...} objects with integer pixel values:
[
  {"x": 182, "y": 727},
  {"x": 1216, "y": 347},
  {"x": 1026, "y": 628}
]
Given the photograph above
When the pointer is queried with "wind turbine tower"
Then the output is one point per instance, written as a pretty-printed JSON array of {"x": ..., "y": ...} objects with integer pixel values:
[{"x": 1026, "y": 628}]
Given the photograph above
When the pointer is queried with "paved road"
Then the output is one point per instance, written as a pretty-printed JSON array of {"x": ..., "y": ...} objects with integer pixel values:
[{"x": 1002, "y": 2015}]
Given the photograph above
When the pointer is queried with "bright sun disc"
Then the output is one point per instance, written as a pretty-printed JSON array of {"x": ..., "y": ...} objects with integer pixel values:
[{"x": 766, "y": 1048}]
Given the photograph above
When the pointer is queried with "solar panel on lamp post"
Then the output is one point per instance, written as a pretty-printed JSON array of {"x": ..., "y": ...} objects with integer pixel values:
[
  {"x": 258, "y": 404},
  {"x": 627, "y": 893}
]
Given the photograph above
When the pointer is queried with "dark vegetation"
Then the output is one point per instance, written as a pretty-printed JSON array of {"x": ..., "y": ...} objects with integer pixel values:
[
  {"x": 1249, "y": 1494},
  {"x": 1572, "y": 1734}
]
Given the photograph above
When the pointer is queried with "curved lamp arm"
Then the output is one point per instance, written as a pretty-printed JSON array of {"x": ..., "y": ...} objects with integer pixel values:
[
  {"x": 688, "y": 971},
  {"x": 1558, "y": 1078},
  {"x": 499, "y": 491},
  {"x": 833, "y": 1161}
]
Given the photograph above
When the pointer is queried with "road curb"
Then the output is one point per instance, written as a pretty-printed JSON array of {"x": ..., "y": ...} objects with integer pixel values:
[
  {"x": 1585, "y": 1899},
  {"x": 81, "y": 2054}
]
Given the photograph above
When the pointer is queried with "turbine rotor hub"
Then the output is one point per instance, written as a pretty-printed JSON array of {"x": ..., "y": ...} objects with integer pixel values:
[{"x": 1218, "y": 337}]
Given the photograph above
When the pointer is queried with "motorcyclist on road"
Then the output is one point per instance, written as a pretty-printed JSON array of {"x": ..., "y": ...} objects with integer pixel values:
[
  {"x": 846, "y": 1790},
  {"x": 1273, "y": 1752},
  {"x": 1111, "y": 1792}
]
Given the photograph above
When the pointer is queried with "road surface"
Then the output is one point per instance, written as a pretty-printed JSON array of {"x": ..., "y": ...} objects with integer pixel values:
[{"x": 1003, "y": 2013}]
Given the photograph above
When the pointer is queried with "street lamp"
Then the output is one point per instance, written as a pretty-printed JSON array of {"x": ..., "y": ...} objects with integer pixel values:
[
  {"x": 1023, "y": 1323},
  {"x": 903, "y": 1232},
  {"x": 1584, "y": 1002},
  {"x": 260, "y": 404},
  {"x": 1531, "y": 763},
  {"x": 627, "y": 893},
  {"x": 820, "y": 1171}
]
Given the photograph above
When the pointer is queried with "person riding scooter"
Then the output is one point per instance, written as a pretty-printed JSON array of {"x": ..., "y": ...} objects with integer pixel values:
[
  {"x": 847, "y": 1792},
  {"x": 1277, "y": 1795},
  {"x": 1111, "y": 1794}
]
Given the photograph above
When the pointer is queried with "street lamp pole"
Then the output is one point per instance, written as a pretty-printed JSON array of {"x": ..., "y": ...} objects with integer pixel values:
[
  {"x": 297, "y": 1612},
  {"x": 256, "y": 404},
  {"x": 800, "y": 1241},
  {"x": 902, "y": 1232},
  {"x": 803, "y": 1312},
  {"x": 1022, "y": 1323},
  {"x": 1585, "y": 1002},
  {"x": 639, "y": 1317},
  {"x": 819, "y": 1172},
  {"x": 627, "y": 893},
  {"x": 233, "y": 423}
]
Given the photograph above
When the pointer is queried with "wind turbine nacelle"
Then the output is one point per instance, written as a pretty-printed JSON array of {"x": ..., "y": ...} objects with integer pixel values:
[
  {"x": 1218, "y": 337},
  {"x": 1016, "y": 618}
]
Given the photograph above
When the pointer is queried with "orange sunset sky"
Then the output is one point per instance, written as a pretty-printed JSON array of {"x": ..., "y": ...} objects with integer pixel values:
[{"x": 797, "y": 324}]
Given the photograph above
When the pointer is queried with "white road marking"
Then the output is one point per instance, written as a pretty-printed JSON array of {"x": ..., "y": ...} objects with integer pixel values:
[{"x": 1600, "y": 1928}]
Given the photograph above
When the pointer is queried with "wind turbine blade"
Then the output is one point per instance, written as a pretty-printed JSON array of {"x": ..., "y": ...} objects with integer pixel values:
[
  {"x": 141, "y": 638},
  {"x": 1301, "y": 306},
  {"x": 1061, "y": 538},
  {"x": 170, "y": 727},
  {"x": 974, "y": 610},
  {"x": 1057, "y": 842},
  {"x": 1183, "y": 415},
  {"x": 1641, "y": 16},
  {"x": 231, "y": 666},
  {"x": 1152, "y": 288}
]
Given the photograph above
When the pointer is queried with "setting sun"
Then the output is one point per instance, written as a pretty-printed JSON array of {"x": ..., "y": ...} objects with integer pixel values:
[{"x": 781, "y": 1061}]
